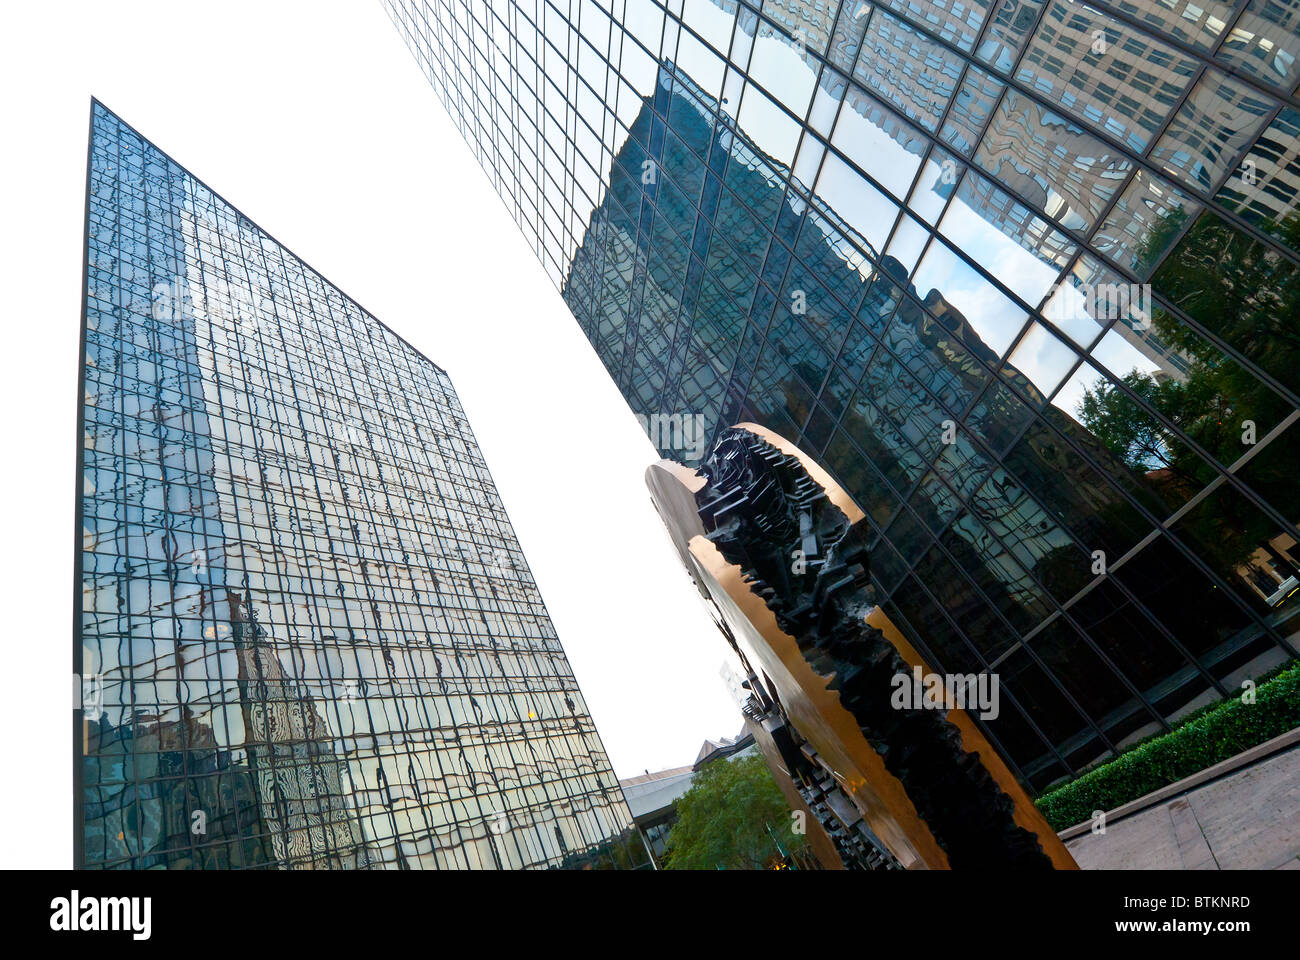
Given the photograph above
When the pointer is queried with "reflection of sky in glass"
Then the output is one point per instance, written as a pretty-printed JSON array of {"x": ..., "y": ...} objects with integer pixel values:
[
  {"x": 929, "y": 196},
  {"x": 994, "y": 317},
  {"x": 1067, "y": 308},
  {"x": 1070, "y": 397},
  {"x": 782, "y": 72},
  {"x": 1043, "y": 358},
  {"x": 824, "y": 106},
  {"x": 701, "y": 64},
  {"x": 1114, "y": 353},
  {"x": 710, "y": 20},
  {"x": 644, "y": 20},
  {"x": 862, "y": 206},
  {"x": 1018, "y": 269},
  {"x": 775, "y": 132},
  {"x": 908, "y": 242},
  {"x": 1121, "y": 357},
  {"x": 874, "y": 149}
]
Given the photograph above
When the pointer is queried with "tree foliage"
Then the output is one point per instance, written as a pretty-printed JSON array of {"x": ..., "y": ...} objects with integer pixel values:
[{"x": 732, "y": 818}]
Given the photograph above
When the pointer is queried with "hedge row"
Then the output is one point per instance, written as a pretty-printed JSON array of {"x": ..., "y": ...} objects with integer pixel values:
[{"x": 1220, "y": 732}]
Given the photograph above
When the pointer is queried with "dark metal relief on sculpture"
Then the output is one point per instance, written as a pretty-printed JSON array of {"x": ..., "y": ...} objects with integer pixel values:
[{"x": 761, "y": 509}]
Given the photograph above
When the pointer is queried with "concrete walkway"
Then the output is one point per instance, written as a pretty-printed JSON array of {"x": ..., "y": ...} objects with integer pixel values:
[{"x": 1248, "y": 820}]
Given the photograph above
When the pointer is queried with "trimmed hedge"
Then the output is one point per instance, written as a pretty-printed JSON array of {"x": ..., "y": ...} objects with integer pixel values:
[{"x": 1211, "y": 736}]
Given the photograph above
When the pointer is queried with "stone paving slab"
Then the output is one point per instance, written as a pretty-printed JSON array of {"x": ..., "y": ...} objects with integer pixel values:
[{"x": 1248, "y": 820}]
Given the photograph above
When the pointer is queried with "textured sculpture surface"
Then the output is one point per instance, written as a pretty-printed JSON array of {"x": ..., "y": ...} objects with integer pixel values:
[{"x": 809, "y": 564}]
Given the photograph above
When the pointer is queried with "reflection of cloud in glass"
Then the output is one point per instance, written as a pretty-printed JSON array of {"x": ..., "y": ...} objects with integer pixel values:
[
  {"x": 826, "y": 103},
  {"x": 1117, "y": 355},
  {"x": 782, "y": 72},
  {"x": 994, "y": 317},
  {"x": 1070, "y": 397},
  {"x": 907, "y": 243},
  {"x": 707, "y": 18},
  {"x": 859, "y": 204},
  {"x": 1022, "y": 272},
  {"x": 931, "y": 192},
  {"x": 1121, "y": 357},
  {"x": 1068, "y": 309},
  {"x": 703, "y": 66},
  {"x": 875, "y": 149},
  {"x": 1043, "y": 358},
  {"x": 764, "y": 123}
]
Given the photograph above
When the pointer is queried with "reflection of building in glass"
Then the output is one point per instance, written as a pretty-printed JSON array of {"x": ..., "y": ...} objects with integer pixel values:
[
  {"x": 914, "y": 238},
  {"x": 319, "y": 643},
  {"x": 299, "y": 780}
]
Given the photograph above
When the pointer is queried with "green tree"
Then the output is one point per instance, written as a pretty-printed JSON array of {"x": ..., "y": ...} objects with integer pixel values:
[{"x": 732, "y": 818}]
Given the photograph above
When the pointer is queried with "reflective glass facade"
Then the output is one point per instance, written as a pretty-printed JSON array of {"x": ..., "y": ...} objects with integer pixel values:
[
  {"x": 307, "y": 635},
  {"x": 1023, "y": 275}
]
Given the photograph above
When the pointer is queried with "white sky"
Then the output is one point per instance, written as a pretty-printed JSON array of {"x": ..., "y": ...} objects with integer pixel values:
[{"x": 314, "y": 120}]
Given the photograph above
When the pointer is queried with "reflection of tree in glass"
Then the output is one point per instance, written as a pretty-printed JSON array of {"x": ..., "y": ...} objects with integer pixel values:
[
  {"x": 1140, "y": 440},
  {"x": 1239, "y": 288},
  {"x": 1248, "y": 295},
  {"x": 626, "y": 851}
]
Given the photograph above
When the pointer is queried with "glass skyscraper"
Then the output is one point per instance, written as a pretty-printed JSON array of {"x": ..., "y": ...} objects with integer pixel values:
[
  {"x": 1022, "y": 275},
  {"x": 306, "y": 635}
]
